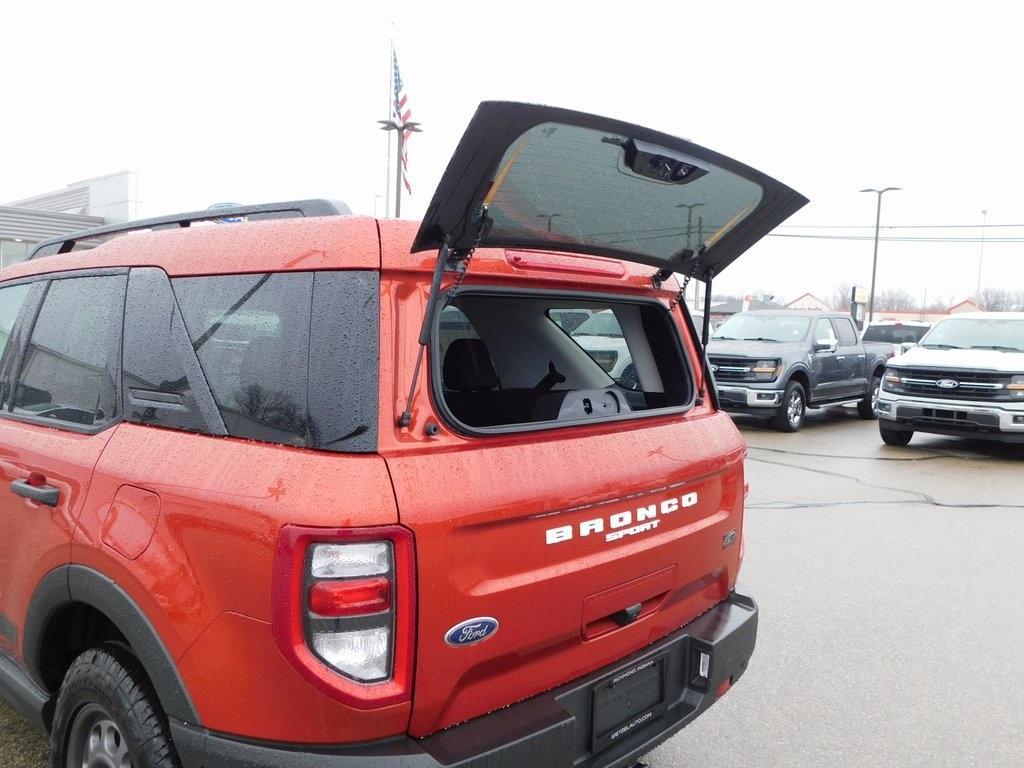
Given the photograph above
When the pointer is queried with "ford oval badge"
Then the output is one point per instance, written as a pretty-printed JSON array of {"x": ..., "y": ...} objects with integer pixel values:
[
  {"x": 947, "y": 383},
  {"x": 471, "y": 631}
]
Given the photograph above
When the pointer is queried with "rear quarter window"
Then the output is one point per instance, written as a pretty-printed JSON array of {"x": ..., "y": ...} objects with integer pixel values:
[
  {"x": 251, "y": 335},
  {"x": 289, "y": 357}
]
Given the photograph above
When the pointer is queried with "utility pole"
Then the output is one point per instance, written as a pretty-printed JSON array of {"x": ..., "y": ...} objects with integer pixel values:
[
  {"x": 874, "y": 261},
  {"x": 400, "y": 129}
]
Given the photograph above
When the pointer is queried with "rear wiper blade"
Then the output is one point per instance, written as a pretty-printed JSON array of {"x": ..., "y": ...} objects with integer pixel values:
[
  {"x": 941, "y": 346},
  {"x": 997, "y": 347},
  {"x": 761, "y": 338}
]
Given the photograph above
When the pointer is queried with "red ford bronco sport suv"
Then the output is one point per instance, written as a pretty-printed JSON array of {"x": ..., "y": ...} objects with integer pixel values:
[{"x": 297, "y": 489}]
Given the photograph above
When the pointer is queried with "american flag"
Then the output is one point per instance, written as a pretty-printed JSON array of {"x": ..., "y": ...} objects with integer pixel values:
[{"x": 402, "y": 115}]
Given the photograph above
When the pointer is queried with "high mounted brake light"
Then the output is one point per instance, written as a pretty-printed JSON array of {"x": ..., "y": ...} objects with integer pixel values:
[{"x": 343, "y": 610}]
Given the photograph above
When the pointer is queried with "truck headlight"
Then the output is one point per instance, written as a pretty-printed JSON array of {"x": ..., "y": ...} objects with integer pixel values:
[
  {"x": 1016, "y": 387},
  {"x": 892, "y": 382},
  {"x": 766, "y": 370}
]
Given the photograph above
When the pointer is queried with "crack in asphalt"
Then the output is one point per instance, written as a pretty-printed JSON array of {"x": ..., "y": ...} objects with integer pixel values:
[
  {"x": 859, "y": 458},
  {"x": 919, "y": 496}
]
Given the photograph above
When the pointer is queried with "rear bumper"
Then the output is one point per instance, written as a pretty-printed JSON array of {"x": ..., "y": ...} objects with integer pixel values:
[{"x": 551, "y": 730}]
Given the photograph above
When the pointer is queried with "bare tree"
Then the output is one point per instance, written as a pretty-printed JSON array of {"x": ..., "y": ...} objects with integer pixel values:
[
  {"x": 997, "y": 299},
  {"x": 840, "y": 298},
  {"x": 896, "y": 300}
]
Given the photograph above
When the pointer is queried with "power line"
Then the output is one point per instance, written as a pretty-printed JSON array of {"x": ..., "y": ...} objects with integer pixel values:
[
  {"x": 902, "y": 238},
  {"x": 898, "y": 226}
]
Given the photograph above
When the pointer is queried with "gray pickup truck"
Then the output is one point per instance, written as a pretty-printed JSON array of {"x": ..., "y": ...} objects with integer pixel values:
[{"x": 777, "y": 363}]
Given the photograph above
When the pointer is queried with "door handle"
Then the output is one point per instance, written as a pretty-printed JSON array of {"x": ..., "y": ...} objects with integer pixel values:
[{"x": 44, "y": 494}]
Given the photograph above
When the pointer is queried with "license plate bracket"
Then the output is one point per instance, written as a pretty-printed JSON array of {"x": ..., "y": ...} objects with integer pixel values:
[{"x": 628, "y": 700}]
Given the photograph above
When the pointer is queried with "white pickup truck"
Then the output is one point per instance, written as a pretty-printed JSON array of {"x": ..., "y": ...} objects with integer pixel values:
[{"x": 965, "y": 379}]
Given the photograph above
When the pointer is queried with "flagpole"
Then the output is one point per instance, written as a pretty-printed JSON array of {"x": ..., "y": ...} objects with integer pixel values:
[
  {"x": 400, "y": 133},
  {"x": 391, "y": 83}
]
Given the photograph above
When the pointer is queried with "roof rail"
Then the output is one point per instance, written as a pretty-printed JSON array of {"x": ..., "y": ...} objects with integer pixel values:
[{"x": 285, "y": 210}]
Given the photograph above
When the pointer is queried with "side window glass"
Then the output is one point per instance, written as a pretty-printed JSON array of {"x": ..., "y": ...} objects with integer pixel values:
[
  {"x": 251, "y": 335},
  {"x": 847, "y": 336},
  {"x": 11, "y": 301},
  {"x": 161, "y": 373},
  {"x": 601, "y": 337},
  {"x": 823, "y": 332},
  {"x": 71, "y": 361}
]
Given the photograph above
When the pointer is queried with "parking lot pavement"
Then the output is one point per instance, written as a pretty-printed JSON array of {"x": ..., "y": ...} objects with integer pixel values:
[
  {"x": 21, "y": 746},
  {"x": 891, "y": 617}
]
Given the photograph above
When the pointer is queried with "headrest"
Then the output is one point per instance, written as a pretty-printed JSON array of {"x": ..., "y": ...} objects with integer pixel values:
[{"x": 468, "y": 366}]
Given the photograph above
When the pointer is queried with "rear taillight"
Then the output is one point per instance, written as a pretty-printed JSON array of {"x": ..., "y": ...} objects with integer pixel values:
[{"x": 344, "y": 612}]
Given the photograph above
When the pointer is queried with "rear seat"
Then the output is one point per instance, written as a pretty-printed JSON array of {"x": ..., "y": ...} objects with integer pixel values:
[{"x": 473, "y": 390}]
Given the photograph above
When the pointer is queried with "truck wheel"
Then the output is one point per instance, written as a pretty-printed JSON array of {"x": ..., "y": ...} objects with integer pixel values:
[
  {"x": 892, "y": 436},
  {"x": 107, "y": 715},
  {"x": 866, "y": 407},
  {"x": 794, "y": 406}
]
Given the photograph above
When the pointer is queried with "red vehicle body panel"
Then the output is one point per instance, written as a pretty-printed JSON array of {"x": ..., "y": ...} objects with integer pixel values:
[
  {"x": 480, "y": 508},
  {"x": 35, "y": 538},
  {"x": 204, "y": 581},
  {"x": 188, "y": 525}
]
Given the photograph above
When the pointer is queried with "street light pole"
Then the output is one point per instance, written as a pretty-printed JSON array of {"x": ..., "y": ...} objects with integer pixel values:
[
  {"x": 874, "y": 261},
  {"x": 689, "y": 231},
  {"x": 400, "y": 129},
  {"x": 981, "y": 257},
  {"x": 549, "y": 217}
]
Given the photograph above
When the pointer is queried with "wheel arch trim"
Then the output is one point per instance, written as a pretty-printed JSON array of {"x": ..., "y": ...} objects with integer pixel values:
[{"x": 71, "y": 584}]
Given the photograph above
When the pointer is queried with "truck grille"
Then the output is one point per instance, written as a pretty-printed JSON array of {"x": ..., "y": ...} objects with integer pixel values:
[
  {"x": 732, "y": 368},
  {"x": 970, "y": 385}
]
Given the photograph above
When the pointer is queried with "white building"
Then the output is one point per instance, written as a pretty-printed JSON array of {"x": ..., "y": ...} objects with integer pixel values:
[
  {"x": 808, "y": 301},
  {"x": 84, "y": 204}
]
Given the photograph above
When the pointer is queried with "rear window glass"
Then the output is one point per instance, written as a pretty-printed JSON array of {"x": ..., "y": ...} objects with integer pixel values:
[
  {"x": 895, "y": 334},
  {"x": 505, "y": 361},
  {"x": 559, "y": 182}
]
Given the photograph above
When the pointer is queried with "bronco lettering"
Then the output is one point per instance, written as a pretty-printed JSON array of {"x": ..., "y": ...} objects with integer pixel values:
[{"x": 645, "y": 516}]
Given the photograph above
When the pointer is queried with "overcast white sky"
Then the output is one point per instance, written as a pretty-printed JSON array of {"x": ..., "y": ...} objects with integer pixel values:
[{"x": 252, "y": 102}]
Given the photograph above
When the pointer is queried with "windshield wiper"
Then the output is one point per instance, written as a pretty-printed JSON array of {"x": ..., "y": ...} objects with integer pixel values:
[
  {"x": 997, "y": 347},
  {"x": 941, "y": 346},
  {"x": 761, "y": 338},
  {"x": 726, "y": 338}
]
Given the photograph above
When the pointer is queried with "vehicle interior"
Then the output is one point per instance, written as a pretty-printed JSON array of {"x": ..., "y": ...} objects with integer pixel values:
[{"x": 503, "y": 360}]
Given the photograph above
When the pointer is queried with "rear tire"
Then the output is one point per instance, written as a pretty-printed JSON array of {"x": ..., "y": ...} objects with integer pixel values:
[
  {"x": 108, "y": 714},
  {"x": 866, "y": 407},
  {"x": 890, "y": 436},
  {"x": 793, "y": 409}
]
